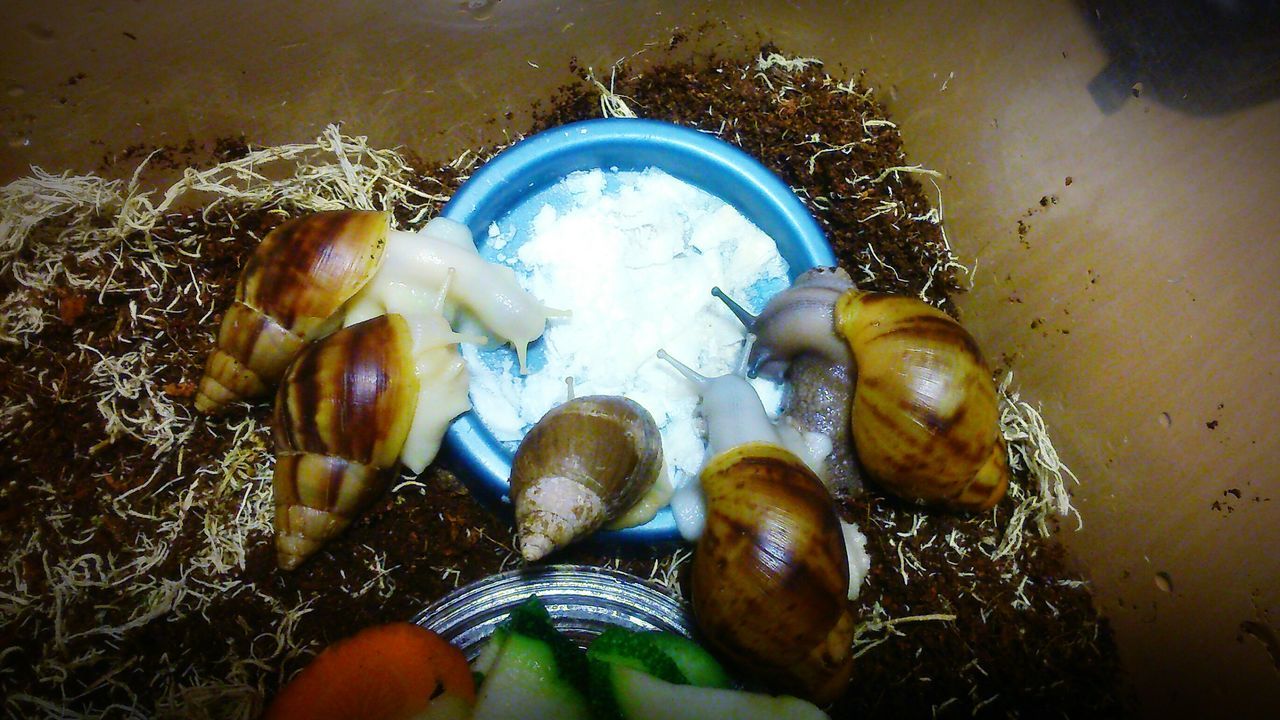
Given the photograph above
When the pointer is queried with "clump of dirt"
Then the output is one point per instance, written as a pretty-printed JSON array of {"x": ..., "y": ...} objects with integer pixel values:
[{"x": 141, "y": 577}]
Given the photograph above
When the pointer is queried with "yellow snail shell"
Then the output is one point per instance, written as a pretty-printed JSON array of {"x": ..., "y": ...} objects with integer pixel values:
[
  {"x": 342, "y": 414},
  {"x": 925, "y": 414},
  {"x": 289, "y": 290},
  {"x": 771, "y": 575},
  {"x": 586, "y": 463}
]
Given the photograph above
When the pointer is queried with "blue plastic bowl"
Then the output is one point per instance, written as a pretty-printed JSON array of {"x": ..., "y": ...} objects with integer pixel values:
[{"x": 507, "y": 184}]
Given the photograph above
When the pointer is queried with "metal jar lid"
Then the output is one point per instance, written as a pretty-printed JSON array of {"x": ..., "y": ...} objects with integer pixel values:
[{"x": 582, "y": 600}]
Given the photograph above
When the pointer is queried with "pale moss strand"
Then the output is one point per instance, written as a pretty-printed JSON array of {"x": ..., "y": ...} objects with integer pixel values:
[
  {"x": 243, "y": 474},
  {"x": 333, "y": 172},
  {"x": 133, "y": 379},
  {"x": 27, "y": 202},
  {"x": 666, "y": 571},
  {"x": 20, "y": 317},
  {"x": 945, "y": 259},
  {"x": 909, "y": 169},
  {"x": 1030, "y": 448},
  {"x": 863, "y": 640},
  {"x": 612, "y": 105},
  {"x": 238, "y": 694},
  {"x": 778, "y": 60},
  {"x": 234, "y": 495}
]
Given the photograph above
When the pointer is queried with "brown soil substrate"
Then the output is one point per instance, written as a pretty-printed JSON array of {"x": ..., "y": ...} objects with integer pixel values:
[{"x": 1025, "y": 642}]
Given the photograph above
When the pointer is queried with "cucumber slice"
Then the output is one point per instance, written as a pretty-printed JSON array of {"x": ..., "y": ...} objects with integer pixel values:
[
  {"x": 531, "y": 619},
  {"x": 489, "y": 654},
  {"x": 698, "y": 666},
  {"x": 617, "y": 646},
  {"x": 525, "y": 682},
  {"x": 642, "y": 697},
  {"x": 636, "y": 650}
]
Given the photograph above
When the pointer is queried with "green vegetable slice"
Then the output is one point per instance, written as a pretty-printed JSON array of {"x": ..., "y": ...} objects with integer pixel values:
[
  {"x": 531, "y": 619},
  {"x": 636, "y": 650},
  {"x": 625, "y": 648},
  {"x": 525, "y": 682},
  {"x": 697, "y": 665},
  {"x": 638, "y": 696}
]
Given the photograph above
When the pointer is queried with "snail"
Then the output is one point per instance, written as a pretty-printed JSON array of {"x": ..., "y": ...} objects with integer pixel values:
[
  {"x": 350, "y": 408},
  {"x": 414, "y": 265},
  {"x": 590, "y": 461},
  {"x": 289, "y": 289},
  {"x": 923, "y": 414},
  {"x": 771, "y": 576},
  {"x": 314, "y": 272},
  {"x": 794, "y": 339}
]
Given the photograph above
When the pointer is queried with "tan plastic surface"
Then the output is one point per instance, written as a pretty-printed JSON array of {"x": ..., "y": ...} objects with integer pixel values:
[{"x": 1150, "y": 283}]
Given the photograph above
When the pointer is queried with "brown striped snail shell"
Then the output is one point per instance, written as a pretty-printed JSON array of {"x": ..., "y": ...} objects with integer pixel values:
[
  {"x": 585, "y": 463},
  {"x": 770, "y": 575},
  {"x": 343, "y": 411},
  {"x": 925, "y": 412},
  {"x": 288, "y": 293}
]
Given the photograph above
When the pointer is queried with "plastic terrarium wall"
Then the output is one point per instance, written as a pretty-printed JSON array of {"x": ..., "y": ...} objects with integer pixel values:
[{"x": 1111, "y": 172}]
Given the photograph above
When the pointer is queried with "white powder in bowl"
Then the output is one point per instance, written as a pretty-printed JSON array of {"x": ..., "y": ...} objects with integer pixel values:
[{"x": 633, "y": 256}]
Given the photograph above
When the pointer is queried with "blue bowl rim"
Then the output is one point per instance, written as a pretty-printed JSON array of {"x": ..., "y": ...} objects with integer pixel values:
[{"x": 483, "y": 464}]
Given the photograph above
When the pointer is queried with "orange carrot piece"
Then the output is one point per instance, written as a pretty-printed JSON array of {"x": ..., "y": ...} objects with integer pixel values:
[{"x": 387, "y": 672}]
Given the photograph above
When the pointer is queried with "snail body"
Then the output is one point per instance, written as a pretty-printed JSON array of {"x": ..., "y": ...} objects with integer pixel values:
[
  {"x": 490, "y": 292},
  {"x": 797, "y": 321},
  {"x": 771, "y": 575},
  {"x": 910, "y": 396},
  {"x": 795, "y": 341},
  {"x": 589, "y": 461},
  {"x": 734, "y": 416},
  {"x": 925, "y": 413},
  {"x": 818, "y": 401},
  {"x": 296, "y": 279},
  {"x": 317, "y": 272}
]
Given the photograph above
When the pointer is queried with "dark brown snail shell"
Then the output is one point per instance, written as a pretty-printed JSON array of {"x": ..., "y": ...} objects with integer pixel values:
[{"x": 770, "y": 574}]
